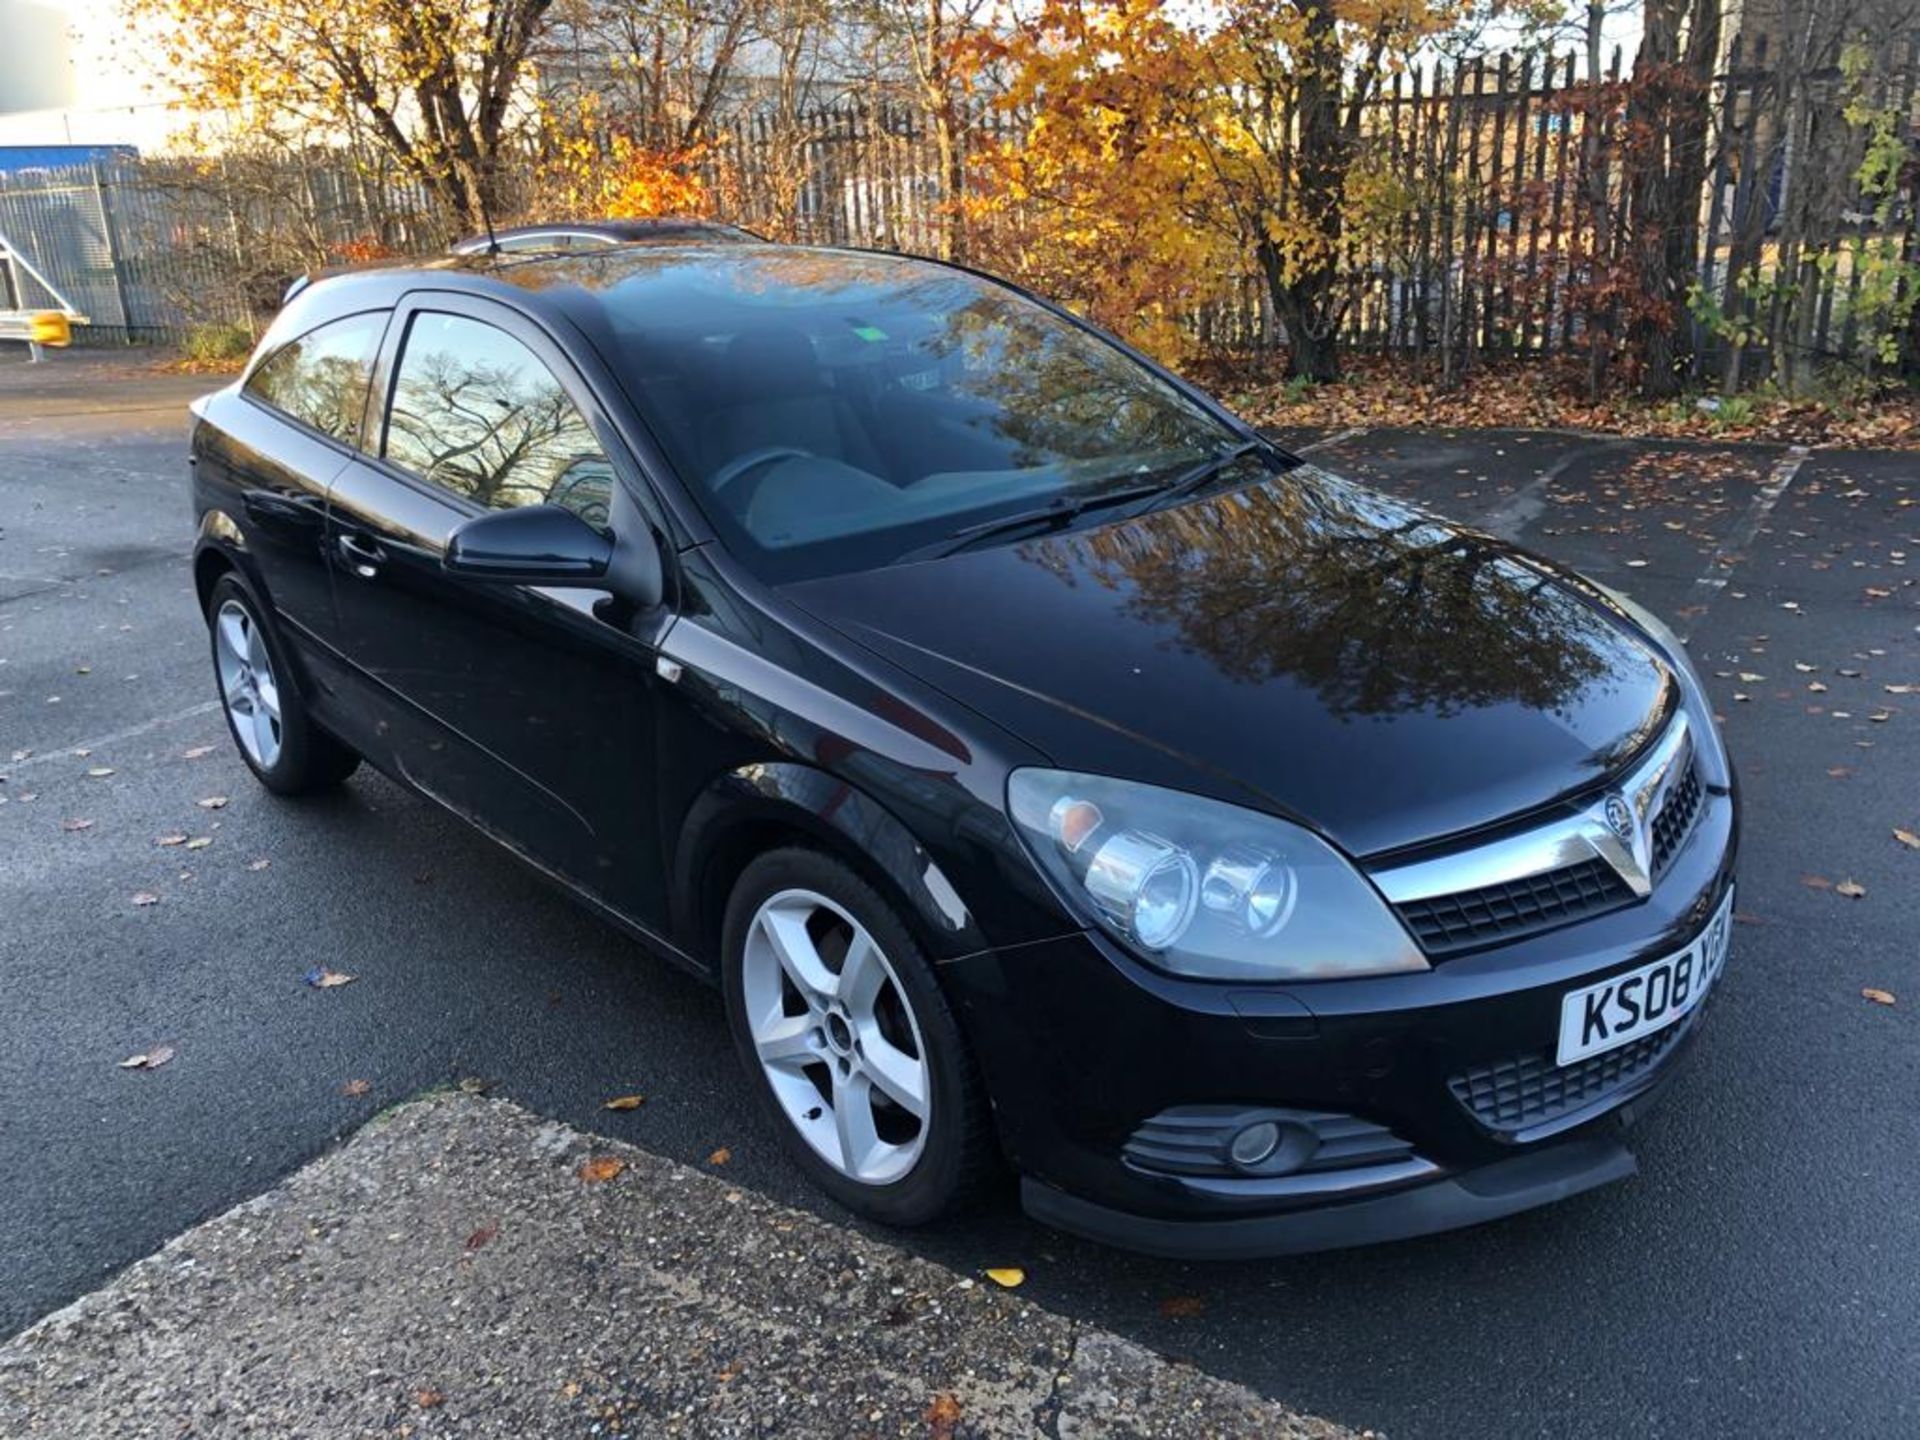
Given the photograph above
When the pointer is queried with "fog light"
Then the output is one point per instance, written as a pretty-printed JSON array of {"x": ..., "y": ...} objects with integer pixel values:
[{"x": 1255, "y": 1143}]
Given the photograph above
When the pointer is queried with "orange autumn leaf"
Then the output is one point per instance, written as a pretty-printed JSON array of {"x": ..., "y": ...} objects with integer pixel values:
[
  {"x": 942, "y": 1416},
  {"x": 600, "y": 1169}
]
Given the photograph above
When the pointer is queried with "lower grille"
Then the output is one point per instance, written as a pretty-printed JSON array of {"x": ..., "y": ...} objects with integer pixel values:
[
  {"x": 1510, "y": 1097},
  {"x": 1447, "y": 924},
  {"x": 1193, "y": 1140}
]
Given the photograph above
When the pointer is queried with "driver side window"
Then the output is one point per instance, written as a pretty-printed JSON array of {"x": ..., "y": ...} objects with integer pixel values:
[{"x": 476, "y": 412}]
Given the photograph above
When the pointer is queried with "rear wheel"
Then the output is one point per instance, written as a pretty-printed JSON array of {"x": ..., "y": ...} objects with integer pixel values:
[
  {"x": 838, "y": 1018},
  {"x": 265, "y": 713}
]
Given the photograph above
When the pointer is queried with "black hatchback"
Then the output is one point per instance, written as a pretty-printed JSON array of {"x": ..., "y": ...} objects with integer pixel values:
[{"x": 1047, "y": 768}]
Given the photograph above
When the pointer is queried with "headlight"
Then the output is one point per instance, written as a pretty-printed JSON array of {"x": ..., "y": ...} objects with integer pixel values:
[
  {"x": 1202, "y": 888},
  {"x": 1708, "y": 744}
]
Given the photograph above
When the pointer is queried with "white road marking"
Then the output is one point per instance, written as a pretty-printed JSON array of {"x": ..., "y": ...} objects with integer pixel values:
[
  {"x": 1525, "y": 505},
  {"x": 1330, "y": 441},
  {"x": 99, "y": 742},
  {"x": 1730, "y": 550}
]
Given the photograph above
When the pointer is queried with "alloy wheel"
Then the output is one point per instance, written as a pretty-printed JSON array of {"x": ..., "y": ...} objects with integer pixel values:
[
  {"x": 247, "y": 684},
  {"x": 836, "y": 1037}
]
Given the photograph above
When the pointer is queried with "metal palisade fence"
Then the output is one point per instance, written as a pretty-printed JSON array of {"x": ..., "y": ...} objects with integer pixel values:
[{"x": 1506, "y": 220}]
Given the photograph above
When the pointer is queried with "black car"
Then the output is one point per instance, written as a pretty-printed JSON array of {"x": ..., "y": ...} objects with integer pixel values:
[{"x": 1044, "y": 765}]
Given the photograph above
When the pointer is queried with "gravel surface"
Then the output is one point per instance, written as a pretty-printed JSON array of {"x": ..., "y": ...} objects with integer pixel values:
[{"x": 454, "y": 1270}]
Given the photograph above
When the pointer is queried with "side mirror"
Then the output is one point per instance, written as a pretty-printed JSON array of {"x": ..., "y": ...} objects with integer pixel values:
[{"x": 529, "y": 545}]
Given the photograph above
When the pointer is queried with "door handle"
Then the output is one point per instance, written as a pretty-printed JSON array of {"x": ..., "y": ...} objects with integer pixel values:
[{"x": 363, "y": 556}]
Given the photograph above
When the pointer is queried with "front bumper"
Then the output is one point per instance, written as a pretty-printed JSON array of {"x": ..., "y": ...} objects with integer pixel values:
[
  {"x": 1081, "y": 1047},
  {"x": 1506, "y": 1187}
]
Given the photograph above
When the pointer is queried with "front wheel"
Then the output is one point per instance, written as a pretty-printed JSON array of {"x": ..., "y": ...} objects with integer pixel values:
[
  {"x": 850, "y": 1042},
  {"x": 264, "y": 710}
]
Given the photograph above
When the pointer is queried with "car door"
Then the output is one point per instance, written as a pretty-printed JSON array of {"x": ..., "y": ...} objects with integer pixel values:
[{"x": 528, "y": 710}]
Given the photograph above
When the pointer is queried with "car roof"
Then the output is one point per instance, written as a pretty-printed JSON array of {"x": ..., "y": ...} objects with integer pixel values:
[{"x": 655, "y": 279}]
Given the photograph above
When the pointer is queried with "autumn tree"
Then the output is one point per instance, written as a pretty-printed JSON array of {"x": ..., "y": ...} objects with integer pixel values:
[
  {"x": 435, "y": 84},
  {"x": 933, "y": 42},
  {"x": 664, "y": 68},
  {"x": 1162, "y": 136}
]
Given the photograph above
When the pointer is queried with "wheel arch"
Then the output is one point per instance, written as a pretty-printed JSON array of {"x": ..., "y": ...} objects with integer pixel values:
[
  {"x": 220, "y": 549},
  {"x": 761, "y": 807}
]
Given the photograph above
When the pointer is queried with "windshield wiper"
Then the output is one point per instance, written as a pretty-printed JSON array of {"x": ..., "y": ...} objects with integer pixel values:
[
  {"x": 1052, "y": 516},
  {"x": 1188, "y": 481}
]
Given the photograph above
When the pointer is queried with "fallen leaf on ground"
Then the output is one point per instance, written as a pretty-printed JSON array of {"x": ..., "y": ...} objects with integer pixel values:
[
  {"x": 428, "y": 1399},
  {"x": 483, "y": 1237},
  {"x": 356, "y": 1087},
  {"x": 1878, "y": 997},
  {"x": 145, "y": 897},
  {"x": 625, "y": 1102},
  {"x": 212, "y": 802},
  {"x": 1816, "y": 882},
  {"x": 1182, "y": 1307},
  {"x": 149, "y": 1060},
  {"x": 260, "y": 864},
  {"x": 1839, "y": 772},
  {"x": 73, "y": 826},
  {"x": 171, "y": 840},
  {"x": 196, "y": 752},
  {"x": 942, "y": 1415},
  {"x": 1008, "y": 1277},
  {"x": 1907, "y": 838},
  {"x": 100, "y": 772},
  {"x": 600, "y": 1168},
  {"x": 199, "y": 842},
  {"x": 720, "y": 1156},
  {"x": 1852, "y": 889},
  {"x": 321, "y": 978}
]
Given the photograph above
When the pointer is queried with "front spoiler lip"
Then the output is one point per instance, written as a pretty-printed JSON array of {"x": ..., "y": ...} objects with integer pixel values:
[{"x": 1472, "y": 1197}]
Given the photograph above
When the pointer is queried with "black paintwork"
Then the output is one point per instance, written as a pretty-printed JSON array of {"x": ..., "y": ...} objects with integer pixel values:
[{"x": 1294, "y": 643}]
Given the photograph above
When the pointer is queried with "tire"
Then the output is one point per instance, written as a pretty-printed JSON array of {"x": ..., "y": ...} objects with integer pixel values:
[
  {"x": 920, "y": 1168},
  {"x": 286, "y": 752}
]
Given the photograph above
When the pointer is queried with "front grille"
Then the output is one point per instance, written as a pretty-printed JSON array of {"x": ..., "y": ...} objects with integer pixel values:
[
  {"x": 1510, "y": 1097},
  {"x": 1468, "y": 919},
  {"x": 1676, "y": 817},
  {"x": 1193, "y": 1140}
]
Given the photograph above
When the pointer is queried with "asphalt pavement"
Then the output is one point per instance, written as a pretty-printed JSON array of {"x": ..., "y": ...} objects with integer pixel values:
[{"x": 1758, "y": 1277}]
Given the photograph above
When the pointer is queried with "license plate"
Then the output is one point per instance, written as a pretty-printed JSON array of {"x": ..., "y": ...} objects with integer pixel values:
[{"x": 1623, "y": 1008}]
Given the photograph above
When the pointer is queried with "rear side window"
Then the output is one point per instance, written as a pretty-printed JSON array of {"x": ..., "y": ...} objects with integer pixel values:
[
  {"x": 477, "y": 412},
  {"x": 321, "y": 378}
]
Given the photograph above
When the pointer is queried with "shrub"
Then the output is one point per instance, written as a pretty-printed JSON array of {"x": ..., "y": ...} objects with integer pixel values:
[{"x": 214, "y": 342}]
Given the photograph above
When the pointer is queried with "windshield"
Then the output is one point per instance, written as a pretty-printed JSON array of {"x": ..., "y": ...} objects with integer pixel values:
[{"x": 834, "y": 412}]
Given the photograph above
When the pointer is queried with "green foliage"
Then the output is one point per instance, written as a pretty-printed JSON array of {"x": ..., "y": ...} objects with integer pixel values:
[
  {"x": 1889, "y": 283},
  {"x": 1743, "y": 323},
  {"x": 1734, "y": 412},
  {"x": 217, "y": 342}
]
